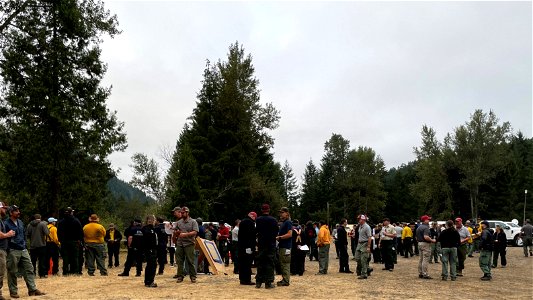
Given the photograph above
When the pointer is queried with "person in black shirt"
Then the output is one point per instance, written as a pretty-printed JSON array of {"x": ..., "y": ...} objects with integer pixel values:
[
  {"x": 149, "y": 245},
  {"x": 134, "y": 237},
  {"x": 267, "y": 230},
  {"x": 162, "y": 238},
  {"x": 449, "y": 240},
  {"x": 500, "y": 247},
  {"x": 246, "y": 248},
  {"x": 342, "y": 245},
  {"x": 70, "y": 235}
]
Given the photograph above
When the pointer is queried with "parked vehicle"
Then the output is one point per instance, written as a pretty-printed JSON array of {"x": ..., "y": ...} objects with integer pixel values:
[{"x": 512, "y": 232}]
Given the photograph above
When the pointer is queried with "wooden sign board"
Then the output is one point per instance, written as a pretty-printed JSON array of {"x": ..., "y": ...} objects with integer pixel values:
[{"x": 210, "y": 251}]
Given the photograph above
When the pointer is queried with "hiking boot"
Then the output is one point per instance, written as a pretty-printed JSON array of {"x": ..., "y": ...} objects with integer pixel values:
[
  {"x": 269, "y": 285},
  {"x": 14, "y": 295},
  {"x": 444, "y": 278},
  {"x": 180, "y": 279},
  {"x": 193, "y": 280},
  {"x": 36, "y": 293},
  {"x": 369, "y": 271},
  {"x": 362, "y": 277},
  {"x": 151, "y": 285},
  {"x": 258, "y": 285},
  {"x": 282, "y": 283},
  {"x": 426, "y": 277},
  {"x": 123, "y": 274},
  {"x": 486, "y": 277},
  {"x": 454, "y": 279}
]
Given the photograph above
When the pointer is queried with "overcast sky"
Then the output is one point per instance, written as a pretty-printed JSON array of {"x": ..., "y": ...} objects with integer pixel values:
[{"x": 372, "y": 72}]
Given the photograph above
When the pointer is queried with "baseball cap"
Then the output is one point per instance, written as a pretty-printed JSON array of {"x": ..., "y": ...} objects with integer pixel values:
[
  {"x": 458, "y": 219},
  {"x": 253, "y": 213},
  {"x": 265, "y": 207},
  {"x": 362, "y": 217},
  {"x": 68, "y": 210},
  {"x": 185, "y": 208},
  {"x": 425, "y": 218},
  {"x": 176, "y": 208},
  {"x": 485, "y": 222},
  {"x": 284, "y": 209},
  {"x": 50, "y": 220}
]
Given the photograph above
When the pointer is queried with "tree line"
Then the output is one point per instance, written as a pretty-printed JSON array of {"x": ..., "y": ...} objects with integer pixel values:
[{"x": 56, "y": 134}]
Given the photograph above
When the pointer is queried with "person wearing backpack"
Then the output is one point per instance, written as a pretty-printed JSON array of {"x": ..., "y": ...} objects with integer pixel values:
[{"x": 486, "y": 247}]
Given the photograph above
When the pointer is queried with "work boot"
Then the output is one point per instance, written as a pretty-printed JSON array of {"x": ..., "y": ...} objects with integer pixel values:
[
  {"x": 36, "y": 293},
  {"x": 269, "y": 285}
]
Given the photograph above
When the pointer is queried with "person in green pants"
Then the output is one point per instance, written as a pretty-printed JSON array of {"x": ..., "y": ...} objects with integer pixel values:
[{"x": 486, "y": 251}]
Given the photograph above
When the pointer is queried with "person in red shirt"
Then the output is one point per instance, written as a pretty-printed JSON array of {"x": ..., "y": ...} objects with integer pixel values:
[{"x": 222, "y": 240}]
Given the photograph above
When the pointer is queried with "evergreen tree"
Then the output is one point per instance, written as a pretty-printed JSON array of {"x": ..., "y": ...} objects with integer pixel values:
[
  {"x": 229, "y": 142},
  {"x": 55, "y": 130},
  {"x": 290, "y": 189}
]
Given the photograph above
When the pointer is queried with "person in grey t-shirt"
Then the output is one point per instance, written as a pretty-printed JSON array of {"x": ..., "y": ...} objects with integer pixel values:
[
  {"x": 424, "y": 240},
  {"x": 188, "y": 228},
  {"x": 527, "y": 237},
  {"x": 362, "y": 253}
]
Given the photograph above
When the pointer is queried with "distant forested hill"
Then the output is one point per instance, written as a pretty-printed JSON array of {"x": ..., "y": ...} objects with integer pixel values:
[{"x": 121, "y": 189}]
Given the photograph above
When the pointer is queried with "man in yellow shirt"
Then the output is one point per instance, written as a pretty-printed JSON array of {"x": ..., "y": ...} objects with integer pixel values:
[
  {"x": 93, "y": 234},
  {"x": 52, "y": 246},
  {"x": 407, "y": 241},
  {"x": 323, "y": 243}
]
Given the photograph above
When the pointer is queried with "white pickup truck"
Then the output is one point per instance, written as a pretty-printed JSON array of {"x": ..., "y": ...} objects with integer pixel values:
[{"x": 511, "y": 229}]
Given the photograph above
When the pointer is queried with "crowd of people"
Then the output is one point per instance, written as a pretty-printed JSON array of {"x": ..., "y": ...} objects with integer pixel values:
[{"x": 273, "y": 245}]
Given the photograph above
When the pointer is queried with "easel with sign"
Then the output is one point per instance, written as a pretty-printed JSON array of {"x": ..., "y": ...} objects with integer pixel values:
[{"x": 210, "y": 251}]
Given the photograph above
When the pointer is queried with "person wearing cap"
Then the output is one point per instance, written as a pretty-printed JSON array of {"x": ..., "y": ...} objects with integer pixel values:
[
  {"x": 223, "y": 236},
  {"x": 93, "y": 235},
  {"x": 464, "y": 234},
  {"x": 18, "y": 259},
  {"x": 134, "y": 239},
  {"x": 176, "y": 211},
  {"x": 362, "y": 253},
  {"x": 284, "y": 239},
  {"x": 386, "y": 244},
  {"x": 424, "y": 239},
  {"x": 112, "y": 239},
  {"x": 267, "y": 230},
  {"x": 485, "y": 254},
  {"x": 52, "y": 246},
  {"x": 342, "y": 245},
  {"x": 527, "y": 237},
  {"x": 298, "y": 255},
  {"x": 70, "y": 235},
  {"x": 246, "y": 244},
  {"x": 36, "y": 232},
  {"x": 188, "y": 229},
  {"x": 4, "y": 238}
]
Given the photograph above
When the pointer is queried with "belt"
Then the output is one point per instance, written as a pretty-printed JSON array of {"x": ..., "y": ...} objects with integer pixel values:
[{"x": 365, "y": 242}]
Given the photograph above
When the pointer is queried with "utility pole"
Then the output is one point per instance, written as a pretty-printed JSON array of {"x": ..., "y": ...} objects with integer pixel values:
[{"x": 525, "y": 198}]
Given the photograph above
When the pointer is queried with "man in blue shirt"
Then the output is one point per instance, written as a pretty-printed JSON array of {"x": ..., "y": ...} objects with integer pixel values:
[
  {"x": 285, "y": 244},
  {"x": 267, "y": 230},
  {"x": 18, "y": 258}
]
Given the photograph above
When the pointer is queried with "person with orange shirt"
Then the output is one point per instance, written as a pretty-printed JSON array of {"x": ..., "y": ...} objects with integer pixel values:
[
  {"x": 93, "y": 235},
  {"x": 323, "y": 242}
]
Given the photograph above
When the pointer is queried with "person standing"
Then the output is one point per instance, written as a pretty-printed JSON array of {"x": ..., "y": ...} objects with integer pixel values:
[
  {"x": 424, "y": 245},
  {"x": 311, "y": 239},
  {"x": 36, "y": 232},
  {"x": 234, "y": 246},
  {"x": 175, "y": 232},
  {"x": 449, "y": 240},
  {"x": 246, "y": 243},
  {"x": 388, "y": 234},
  {"x": 52, "y": 247},
  {"x": 187, "y": 228},
  {"x": 407, "y": 240},
  {"x": 134, "y": 239},
  {"x": 70, "y": 235},
  {"x": 113, "y": 238},
  {"x": 150, "y": 241},
  {"x": 462, "y": 250},
  {"x": 223, "y": 236},
  {"x": 267, "y": 231},
  {"x": 342, "y": 245},
  {"x": 362, "y": 253},
  {"x": 298, "y": 255},
  {"x": 398, "y": 241},
  {"x": 93, "y": 235},
  {"x": 486, "y": 247},
  {"x": 500, "y": 247},
  {"x": 284, "y": 239},
  {"x": 162, "y": 238},
  {"x": 323, "y": 243},
  {"x": 18, "y": 259},
  {"x": 4, "y": 239},
  {"x": 527, "y": 237},
  {"x": 434, "y": 232}
]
